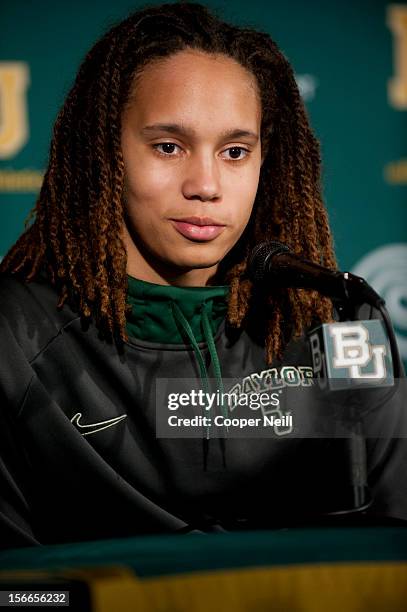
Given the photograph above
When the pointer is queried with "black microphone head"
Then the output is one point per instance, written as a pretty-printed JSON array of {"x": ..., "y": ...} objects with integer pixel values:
[{"x": 260, "y": 256}]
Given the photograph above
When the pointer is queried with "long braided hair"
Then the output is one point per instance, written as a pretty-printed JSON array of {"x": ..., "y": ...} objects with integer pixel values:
[{"x": 73, "y": 232}]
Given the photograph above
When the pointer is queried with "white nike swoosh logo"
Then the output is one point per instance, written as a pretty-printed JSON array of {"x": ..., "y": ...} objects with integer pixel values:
[{"x": 94, "y": 427}]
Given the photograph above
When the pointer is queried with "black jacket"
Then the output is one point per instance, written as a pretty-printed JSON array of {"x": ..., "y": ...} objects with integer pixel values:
[{"x": 79, "y": 456}]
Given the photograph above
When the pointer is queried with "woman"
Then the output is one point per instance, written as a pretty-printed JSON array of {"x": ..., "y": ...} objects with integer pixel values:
[{"x": 182, "y": 144}]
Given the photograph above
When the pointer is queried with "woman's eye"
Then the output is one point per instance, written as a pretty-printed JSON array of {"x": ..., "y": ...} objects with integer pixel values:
[
  {"x": 236, "y": 153},
  {"x": 170, "y": 149},
  {"x": 166, "y": 148}
]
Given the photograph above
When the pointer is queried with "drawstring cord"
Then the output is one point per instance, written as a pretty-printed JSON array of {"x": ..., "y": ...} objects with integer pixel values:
[
  {"x": 214, "y": 355},
  {"x": 179, "y": 316},
  {"x": 218, "y": 374},
  {"x": 207, "y": 330}
]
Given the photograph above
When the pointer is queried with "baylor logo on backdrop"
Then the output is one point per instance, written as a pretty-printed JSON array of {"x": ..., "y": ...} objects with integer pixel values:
[
  {"x": 14, "y": 80},
  {"x": 353, "y": 350},
  {"x": 397, "y": 22}
]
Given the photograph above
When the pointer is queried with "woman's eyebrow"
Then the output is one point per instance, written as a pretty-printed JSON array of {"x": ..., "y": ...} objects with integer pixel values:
[{"x": 180, "y": 130}]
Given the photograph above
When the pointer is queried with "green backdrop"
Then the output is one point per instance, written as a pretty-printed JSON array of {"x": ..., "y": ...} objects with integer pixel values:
[{"x": 350, "y": 60}]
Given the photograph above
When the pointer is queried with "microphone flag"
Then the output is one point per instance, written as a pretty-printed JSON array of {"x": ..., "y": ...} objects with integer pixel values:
[{"x": 351, "y": 354}]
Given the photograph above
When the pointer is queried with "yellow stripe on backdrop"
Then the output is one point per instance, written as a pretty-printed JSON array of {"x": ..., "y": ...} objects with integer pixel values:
[{"x": 334, "y": 587}]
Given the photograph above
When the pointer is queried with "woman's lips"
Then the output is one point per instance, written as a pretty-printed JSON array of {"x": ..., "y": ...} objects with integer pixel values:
[{"x": 198, "y": 232}]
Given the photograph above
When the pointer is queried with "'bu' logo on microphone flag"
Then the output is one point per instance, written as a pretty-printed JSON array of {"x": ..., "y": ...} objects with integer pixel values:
[{"x": 352, "y": 354}]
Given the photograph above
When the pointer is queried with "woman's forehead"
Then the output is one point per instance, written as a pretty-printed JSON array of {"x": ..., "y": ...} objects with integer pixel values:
[{"x": 191, "y": 88}]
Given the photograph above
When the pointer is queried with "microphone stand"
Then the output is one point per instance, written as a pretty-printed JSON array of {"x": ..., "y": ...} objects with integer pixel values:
[
  {"x": 348, "y": 292},
  {"x": 347, "y": 306}
]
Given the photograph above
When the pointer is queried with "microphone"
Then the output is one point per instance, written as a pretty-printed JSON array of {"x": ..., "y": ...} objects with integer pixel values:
[
  {"x": 345, "y": 355},
  {"x": 275, "y": 262}
]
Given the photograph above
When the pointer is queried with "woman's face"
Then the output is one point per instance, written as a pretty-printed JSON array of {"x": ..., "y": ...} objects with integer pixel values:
[{"x": 192, "y": 154}]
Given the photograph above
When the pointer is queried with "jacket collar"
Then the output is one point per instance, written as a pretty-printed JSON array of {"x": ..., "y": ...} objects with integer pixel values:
[{"x": 152, "y": 317}]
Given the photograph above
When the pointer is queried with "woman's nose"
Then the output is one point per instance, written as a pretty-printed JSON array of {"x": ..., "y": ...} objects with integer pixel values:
[{"x": 202, "y": 180}]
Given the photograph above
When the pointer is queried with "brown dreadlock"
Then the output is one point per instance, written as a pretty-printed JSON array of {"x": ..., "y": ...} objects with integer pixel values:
[{"x": 75, "y": 235}]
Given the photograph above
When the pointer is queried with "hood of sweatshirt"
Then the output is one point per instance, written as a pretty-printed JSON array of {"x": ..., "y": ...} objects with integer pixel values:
[
  {"x": 190, "y": 316},
  {"x": 153, "y": 307}
]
